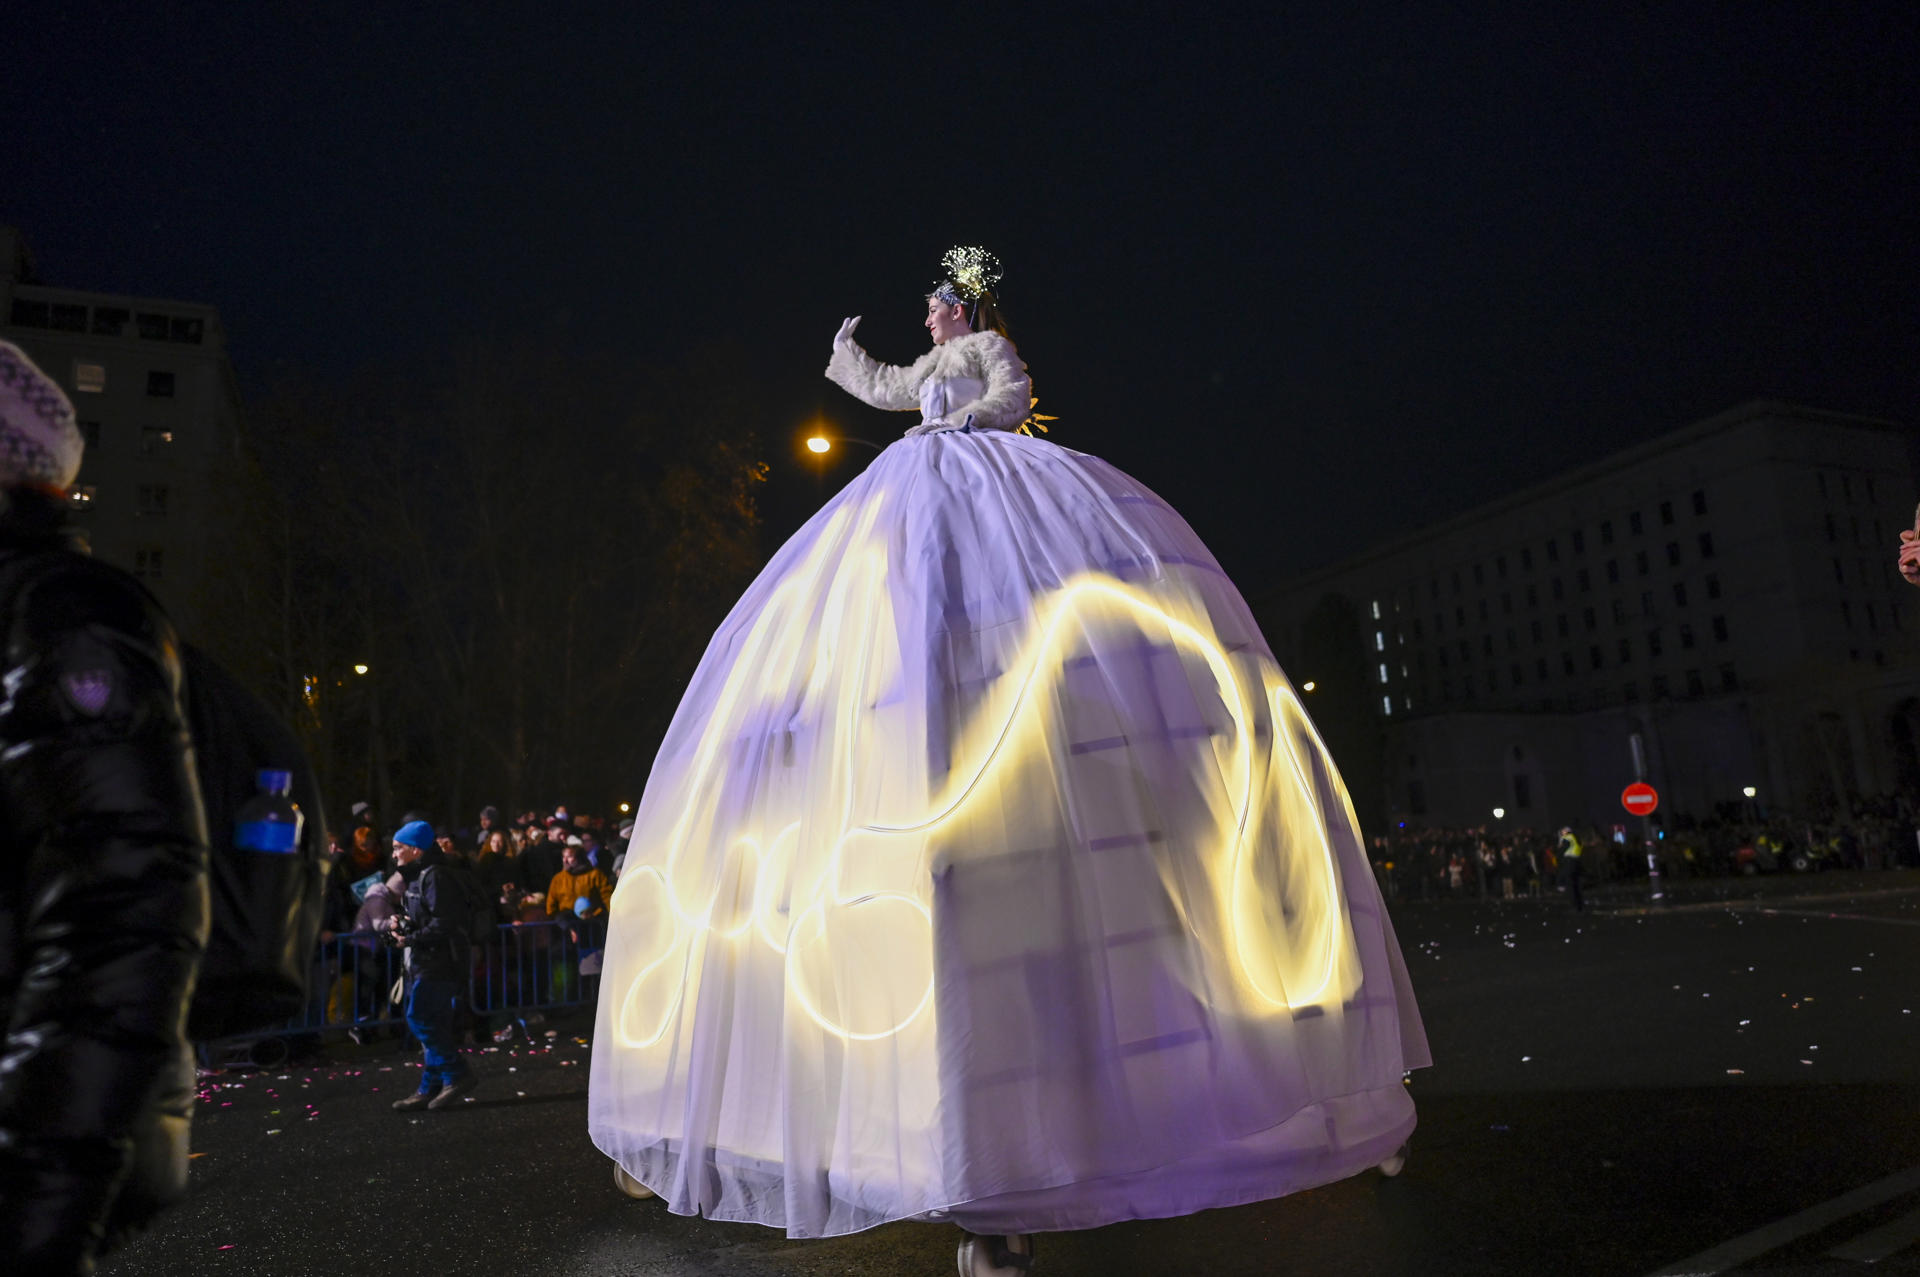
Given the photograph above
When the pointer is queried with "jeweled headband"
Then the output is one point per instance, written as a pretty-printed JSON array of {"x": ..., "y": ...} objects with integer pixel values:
[{"x": 971, "y": 274}]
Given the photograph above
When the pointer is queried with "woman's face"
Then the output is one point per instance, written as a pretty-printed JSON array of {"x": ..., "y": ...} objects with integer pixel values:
[{"x": 946, "y": 322}]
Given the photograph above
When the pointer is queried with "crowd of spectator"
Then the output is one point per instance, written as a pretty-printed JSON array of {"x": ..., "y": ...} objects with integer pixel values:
[
  {"x": 552, "y": 875},
  {"x": 1487, "y": 862}
]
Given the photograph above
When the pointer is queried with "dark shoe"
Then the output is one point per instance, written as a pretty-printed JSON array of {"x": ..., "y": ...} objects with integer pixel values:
[
  {"x": 452, "y": 1091},
  {"x": 418, "y": 1100}
]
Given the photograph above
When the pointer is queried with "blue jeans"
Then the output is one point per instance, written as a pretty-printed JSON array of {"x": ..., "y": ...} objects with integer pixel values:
[{"x": 431, "y": 1006}]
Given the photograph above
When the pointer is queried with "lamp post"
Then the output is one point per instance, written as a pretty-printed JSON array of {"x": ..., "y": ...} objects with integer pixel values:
[{"x": 822, "y": 443}]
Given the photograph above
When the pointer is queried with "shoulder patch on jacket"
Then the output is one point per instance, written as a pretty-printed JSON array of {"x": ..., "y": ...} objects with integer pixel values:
[{"x": 88, "y": 691}]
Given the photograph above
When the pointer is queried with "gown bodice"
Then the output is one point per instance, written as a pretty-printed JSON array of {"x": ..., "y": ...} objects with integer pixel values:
[{"x": 939, "y": 397}]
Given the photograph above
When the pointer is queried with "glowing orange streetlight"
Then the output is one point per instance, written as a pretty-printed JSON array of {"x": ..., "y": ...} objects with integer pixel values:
[{"x": 818, "y": 443}]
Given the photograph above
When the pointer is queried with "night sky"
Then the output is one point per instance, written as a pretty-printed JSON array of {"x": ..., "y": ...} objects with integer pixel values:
[{"x": 1317, "y": 279}]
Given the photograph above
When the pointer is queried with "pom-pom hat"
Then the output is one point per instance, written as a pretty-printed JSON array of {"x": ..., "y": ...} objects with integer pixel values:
[{"x": 40, "y": 443}]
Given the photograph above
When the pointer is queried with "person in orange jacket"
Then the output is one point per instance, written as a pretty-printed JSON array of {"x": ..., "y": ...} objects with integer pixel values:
[{"x": 579, "y": 894}]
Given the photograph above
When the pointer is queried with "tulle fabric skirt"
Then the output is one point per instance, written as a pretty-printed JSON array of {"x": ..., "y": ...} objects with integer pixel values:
[{"x": 991, "y": 871}]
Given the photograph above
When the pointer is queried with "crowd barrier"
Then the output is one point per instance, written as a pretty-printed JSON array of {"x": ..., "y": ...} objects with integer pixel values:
[{"x": 522, "y": 968}]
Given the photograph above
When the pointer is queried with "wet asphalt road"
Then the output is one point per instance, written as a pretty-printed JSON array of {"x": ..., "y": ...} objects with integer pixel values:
[{"x": 1614, "y": 1092}]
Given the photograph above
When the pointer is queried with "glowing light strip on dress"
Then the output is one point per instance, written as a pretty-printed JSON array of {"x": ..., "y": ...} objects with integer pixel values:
[{"x": 769, "y": 657}]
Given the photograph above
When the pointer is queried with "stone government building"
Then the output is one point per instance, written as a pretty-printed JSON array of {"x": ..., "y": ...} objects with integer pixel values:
[{"x": 1726, "y": 592}]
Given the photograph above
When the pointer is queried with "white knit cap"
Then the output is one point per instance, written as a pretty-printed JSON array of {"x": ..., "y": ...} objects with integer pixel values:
[{"x": 39, "y": 442}]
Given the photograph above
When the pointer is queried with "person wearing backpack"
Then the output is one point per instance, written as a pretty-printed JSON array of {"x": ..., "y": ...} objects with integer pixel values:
[{"x": 436, "y": 931}]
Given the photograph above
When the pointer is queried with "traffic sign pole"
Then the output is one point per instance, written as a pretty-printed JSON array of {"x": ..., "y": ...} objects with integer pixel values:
[{"x": 1641, "y": 799}]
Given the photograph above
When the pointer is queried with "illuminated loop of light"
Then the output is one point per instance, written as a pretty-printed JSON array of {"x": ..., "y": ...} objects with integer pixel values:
[{"x": 766, "y": 904}]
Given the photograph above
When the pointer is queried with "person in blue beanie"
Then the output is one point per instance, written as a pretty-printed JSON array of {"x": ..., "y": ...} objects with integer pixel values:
[{"x": 439, "y": 955}]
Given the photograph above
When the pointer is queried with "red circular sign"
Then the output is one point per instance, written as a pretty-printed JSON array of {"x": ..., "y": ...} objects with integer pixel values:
[{"x": 1640, "y": 798}]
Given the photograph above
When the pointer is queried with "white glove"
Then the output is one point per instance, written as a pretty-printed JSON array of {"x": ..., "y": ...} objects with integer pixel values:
[{"x": 843, "y": 340}]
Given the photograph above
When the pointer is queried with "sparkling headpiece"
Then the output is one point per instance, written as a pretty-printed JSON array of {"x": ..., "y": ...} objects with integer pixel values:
[{"x": 972, "y": 273}]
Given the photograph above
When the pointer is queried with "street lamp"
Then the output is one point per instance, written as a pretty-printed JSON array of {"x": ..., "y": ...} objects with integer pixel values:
[
  {"x": 360, "y": 669},
  {"x": 1499, "y": 813},
  {"x": 1307, "y": 686},
  {"x": 818, "y": 442},
  {"x": 1750, "y": 792}
]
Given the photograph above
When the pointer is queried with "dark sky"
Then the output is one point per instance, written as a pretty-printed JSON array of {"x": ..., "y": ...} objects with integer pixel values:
[{"x": 1317, "y": 279}]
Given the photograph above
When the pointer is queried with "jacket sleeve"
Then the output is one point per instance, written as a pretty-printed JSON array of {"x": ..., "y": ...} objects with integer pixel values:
[
  {"x": 1008, "y": 398},
  {"x": 102, "y": 806},
  {"x": 870, "y": 381}
]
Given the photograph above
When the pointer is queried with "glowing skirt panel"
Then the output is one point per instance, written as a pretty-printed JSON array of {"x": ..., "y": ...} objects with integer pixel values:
[{"x": 991, "y": 871}]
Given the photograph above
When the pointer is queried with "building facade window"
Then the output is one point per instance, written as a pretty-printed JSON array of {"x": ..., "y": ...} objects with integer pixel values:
[
  {"x": 1706, "y": 545},
  {"x": 1713, "y": 586},
  {"x": 155, "y": 440},
  {"x": 1699, "y": 501},
  {"x": 1686, "y": 637},
  {"x": 89, "y": 378},
  {"x": 149, "y": 564},
  {"x": 159, "y": 384},
  {"x": 150, "y": 501},
  {"x": 90, "y": 434},
  {"x": 1720, "y": 629},
  {"x": 81, "y": 497},
  {"x": 1673, "y": 554},
  {"x": 1633, "y": 523},
  {"x": 1666, "y": 514},
  {"x": 1653, "y": 642}
]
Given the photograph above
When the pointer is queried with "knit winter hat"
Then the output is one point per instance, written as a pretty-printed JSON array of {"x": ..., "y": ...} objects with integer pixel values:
[
  {"x": 415, "y": 833},
  {"x": 39, "y": 442}
]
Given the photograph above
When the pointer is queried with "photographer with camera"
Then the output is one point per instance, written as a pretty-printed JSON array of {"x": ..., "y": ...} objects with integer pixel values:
[{"x": 434, "y": 929}]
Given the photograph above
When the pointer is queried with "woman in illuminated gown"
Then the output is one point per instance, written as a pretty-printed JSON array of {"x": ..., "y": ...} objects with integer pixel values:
[{"x": 990, "y": 870}]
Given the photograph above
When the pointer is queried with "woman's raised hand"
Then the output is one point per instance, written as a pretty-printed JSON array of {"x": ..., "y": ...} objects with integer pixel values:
[{"x": 843, "y": 340}]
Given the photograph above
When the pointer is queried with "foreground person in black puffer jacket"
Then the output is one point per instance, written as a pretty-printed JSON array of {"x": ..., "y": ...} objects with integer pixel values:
[{"x": 103, "y": 862}]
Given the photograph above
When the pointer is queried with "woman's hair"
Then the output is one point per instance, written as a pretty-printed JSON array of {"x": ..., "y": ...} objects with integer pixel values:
[
  {"x": 982, "y": 315},
  {"x": 985, "y": 314}
]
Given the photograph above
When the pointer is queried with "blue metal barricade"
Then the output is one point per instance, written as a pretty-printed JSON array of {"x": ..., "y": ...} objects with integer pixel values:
[{"x": 523, "y": 967}]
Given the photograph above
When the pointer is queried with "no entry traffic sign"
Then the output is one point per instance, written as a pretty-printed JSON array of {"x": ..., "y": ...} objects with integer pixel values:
[{"x": 1640, "y": 798}]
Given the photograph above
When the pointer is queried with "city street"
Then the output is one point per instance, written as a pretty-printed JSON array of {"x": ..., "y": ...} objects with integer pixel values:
[{"x": 1614, "y": 1093}]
